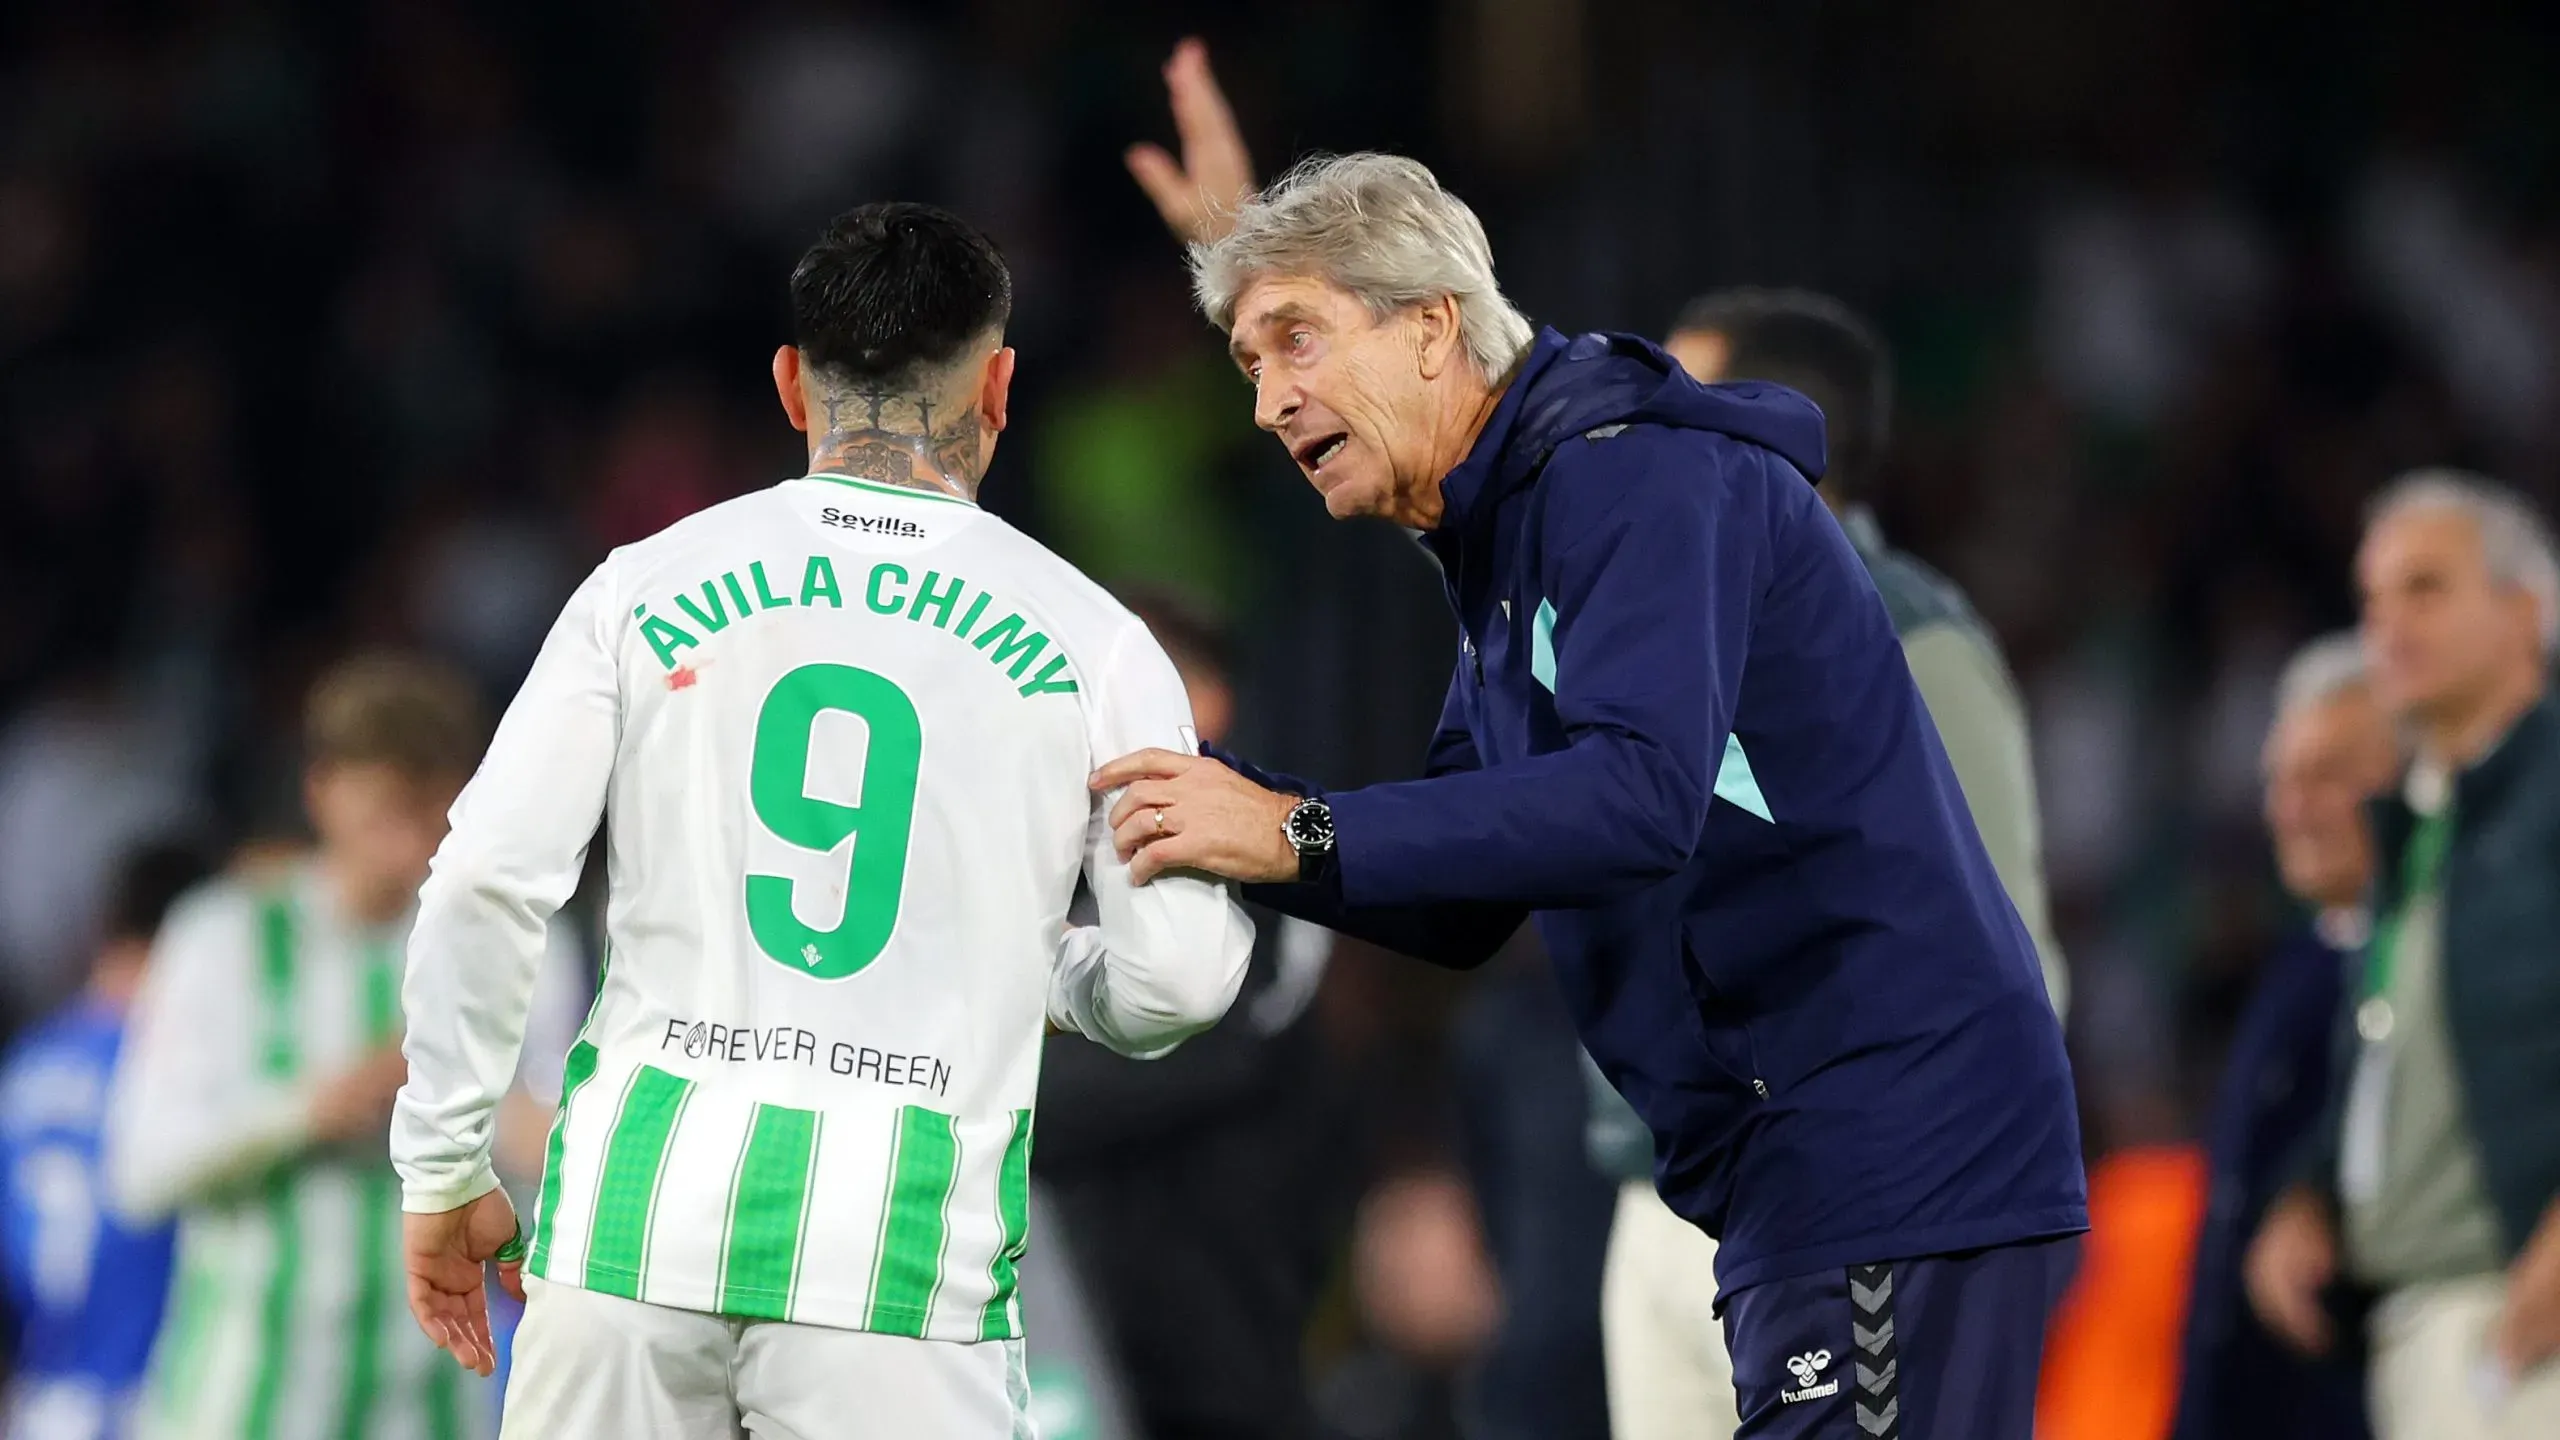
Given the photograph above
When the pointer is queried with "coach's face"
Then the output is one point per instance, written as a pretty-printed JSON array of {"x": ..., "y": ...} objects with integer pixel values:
[{"x": 1358, "y": 399}]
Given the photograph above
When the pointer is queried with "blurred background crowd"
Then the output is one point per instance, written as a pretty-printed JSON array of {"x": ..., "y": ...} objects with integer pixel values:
[{"x": 331, "y": 325}]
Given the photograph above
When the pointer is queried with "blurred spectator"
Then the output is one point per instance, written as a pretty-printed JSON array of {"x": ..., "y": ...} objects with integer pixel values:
[
  {"x": 1223, "y": 1164},
  {"x": 2329, "y": 751},
  {"x": 256, "y": 1096},
  {"x": 1669, "y": 1375},
  {"x": 85, "y": 1289},
  {"x": 2437, "y": 1182},
  {"x": 1428, "y": 1301}
]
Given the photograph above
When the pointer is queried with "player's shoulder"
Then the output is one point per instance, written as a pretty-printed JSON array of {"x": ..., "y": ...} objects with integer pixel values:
[
  {"x": 1086, "y": 615},
  {"x": 225, "y": 909}
]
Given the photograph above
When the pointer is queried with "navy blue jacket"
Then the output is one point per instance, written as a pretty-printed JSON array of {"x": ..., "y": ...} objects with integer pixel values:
[
  {"x": 2238, "y": 1381},
  {"x": 1682, "y": 732}
]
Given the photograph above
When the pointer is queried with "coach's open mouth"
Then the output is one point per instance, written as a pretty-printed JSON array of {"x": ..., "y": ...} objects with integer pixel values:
[{"x": 1313, "y": 455}]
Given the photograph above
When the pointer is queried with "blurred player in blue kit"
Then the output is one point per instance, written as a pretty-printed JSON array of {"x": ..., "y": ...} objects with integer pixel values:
[{"x": 85, "y": 1290}]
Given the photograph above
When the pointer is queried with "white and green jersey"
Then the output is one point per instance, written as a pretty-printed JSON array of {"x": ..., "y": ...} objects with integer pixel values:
[
  {"x": 838, "y": 734},
  {"x": 289, "y": 1316}
]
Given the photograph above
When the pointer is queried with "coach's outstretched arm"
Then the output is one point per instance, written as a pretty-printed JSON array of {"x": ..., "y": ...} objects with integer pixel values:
[
  {"x": 1166, "y": 959},
  {"x": 1456, "y": 934},
  {"x": 1655, "y": 576}
]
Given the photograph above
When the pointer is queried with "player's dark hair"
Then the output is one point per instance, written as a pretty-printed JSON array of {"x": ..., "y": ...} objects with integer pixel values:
[
  {"x": 148, "y": 882},
  {"x": 1819, "y": 347},
  {"x": 894, "y": 291},
  {"x": 1191, "y": 639}
]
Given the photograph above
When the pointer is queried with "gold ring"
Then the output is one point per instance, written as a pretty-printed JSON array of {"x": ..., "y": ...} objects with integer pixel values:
[{"x": 1159, "y": 820}]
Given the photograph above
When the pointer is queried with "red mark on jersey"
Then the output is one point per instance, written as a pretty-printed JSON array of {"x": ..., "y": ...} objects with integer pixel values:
[{"x": 682, "y": 677}]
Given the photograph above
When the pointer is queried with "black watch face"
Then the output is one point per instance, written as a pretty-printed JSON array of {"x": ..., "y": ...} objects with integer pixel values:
[{"x": 1311, "y": 828}]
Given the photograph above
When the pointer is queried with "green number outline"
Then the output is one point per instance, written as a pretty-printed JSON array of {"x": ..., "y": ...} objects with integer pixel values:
[{"x": 777, "y": 787}]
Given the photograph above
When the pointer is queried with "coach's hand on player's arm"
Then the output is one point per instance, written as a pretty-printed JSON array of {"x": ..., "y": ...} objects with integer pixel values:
[
  {"x": 446, "y": 1254},
  {"x": 1198, "y": 194},
  {"x": 1186, "y": 812},
  {"x": 2289, "y": 1263}
]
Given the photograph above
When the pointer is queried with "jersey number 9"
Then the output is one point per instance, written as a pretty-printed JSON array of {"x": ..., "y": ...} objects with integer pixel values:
[{"x": 778, "y": 786}]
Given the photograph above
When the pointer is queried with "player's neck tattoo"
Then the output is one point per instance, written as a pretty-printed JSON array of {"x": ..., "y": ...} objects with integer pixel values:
[{"x": 906, "y": 440}]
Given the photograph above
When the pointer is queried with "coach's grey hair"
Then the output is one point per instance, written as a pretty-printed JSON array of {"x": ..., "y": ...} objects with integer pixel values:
[
  {"x": 1379, "y": 226},
  {"x": 2513, "y": 535},
  {"x": 2320, "y": 671}
]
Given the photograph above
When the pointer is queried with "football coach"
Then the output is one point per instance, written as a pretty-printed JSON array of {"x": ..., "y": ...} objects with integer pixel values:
[{"x": 1681, "y": 733}]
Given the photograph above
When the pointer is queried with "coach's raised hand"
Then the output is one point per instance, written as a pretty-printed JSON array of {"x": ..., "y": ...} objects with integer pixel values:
[
  {"x": 1198, "y": 194},
  {"x": 1184, "y": 812}
]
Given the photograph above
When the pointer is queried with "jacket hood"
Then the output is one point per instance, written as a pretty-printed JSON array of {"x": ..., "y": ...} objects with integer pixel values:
[{"x": 1568, "y": 387}]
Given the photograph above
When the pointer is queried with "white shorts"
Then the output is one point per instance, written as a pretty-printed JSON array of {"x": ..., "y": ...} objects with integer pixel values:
[{"x": 599, "y": 1367}]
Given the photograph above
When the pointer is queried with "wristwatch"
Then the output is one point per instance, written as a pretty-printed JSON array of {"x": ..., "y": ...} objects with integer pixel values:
[{"x": 1309, "y": 830}]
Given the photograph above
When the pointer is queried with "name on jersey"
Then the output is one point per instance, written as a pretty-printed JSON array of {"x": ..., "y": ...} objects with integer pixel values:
[
  {"x": 948, "y": 603},
  {"x": 791, "y": 1045}
]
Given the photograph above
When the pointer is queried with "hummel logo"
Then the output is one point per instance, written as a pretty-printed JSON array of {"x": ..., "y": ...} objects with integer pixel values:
[
  {"x": 812, "y": 956},
  {"x": 1805, "y": 1367}
]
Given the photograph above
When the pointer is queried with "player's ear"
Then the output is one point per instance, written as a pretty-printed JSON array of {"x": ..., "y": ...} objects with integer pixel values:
[
  {"x": 996, "y": 389},
  {"x": 786, "y": 384}
]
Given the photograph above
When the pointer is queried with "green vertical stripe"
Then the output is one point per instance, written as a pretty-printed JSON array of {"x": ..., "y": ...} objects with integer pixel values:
[
  {"x": 1013, "y": 1211},
  {"x": 914, "y": 1223},
  {"x": 441, "y": 1394},
  {"x": 278, "y": 1054},
  {"x": 279, "y": 1057},
  {"x": 378, "y": 1200},
  {"x": 635, "y": 1160},
  {"x": 178, "y": 1363},
  {"x": 580, "y": 1068},
  {"x": 381, "y": 994},
  {"x": 275, "y": 1310},
  {"x": 573, "y": 1078},
  {"x": 766, "y": 1208},
  {"x": 808, "y": 1197}
]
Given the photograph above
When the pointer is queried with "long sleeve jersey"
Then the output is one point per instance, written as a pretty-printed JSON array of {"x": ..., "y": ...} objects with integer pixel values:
[
  {"x": 838, "y": 735},
  {"x": 288, "y": 1316}
]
